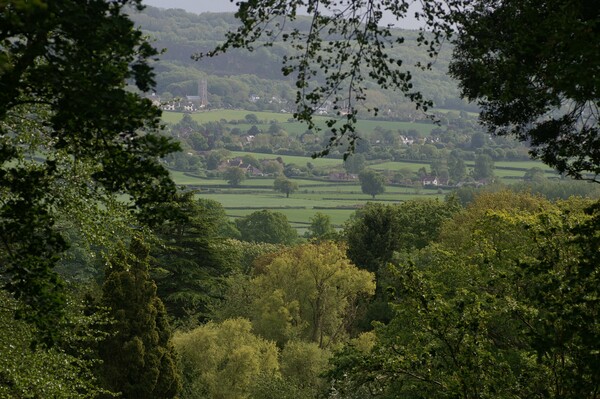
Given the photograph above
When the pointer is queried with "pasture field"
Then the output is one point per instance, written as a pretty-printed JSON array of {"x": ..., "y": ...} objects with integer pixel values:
[
  {"x": 338, "y": 200},
  {"x": 525, "y": 165},
  {"x": 291, "y": 126}
]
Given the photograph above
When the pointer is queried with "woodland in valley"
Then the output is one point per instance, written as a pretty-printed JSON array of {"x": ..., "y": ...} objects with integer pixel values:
[{"x": 116, "y": 281}]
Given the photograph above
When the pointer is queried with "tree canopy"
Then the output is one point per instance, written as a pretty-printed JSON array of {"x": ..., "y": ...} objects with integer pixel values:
[
  {"x": 371, "y": 182},
  {"x": 65, "y": 107},
  {"x": 499, "y": 306},
  {"x": 285, "y": 185},
  {"x": 533, "y": 70},
  {"x": 267, "y": 226}
]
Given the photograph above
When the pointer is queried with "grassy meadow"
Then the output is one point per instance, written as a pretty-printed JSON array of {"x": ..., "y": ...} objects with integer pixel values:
[
  {"x": 338, "y": 200},
  {"x": 293, "y": 127}
]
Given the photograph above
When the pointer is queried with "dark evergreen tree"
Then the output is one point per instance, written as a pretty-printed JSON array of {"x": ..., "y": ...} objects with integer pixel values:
[
  {"x": 188, "y": 265},
  {"x": 138, "y": 358}
]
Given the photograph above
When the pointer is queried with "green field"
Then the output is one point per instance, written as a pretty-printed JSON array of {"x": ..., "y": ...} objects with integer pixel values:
[
  {"x": 291, "y": 126},
  {"x": 338, "y": 200}
]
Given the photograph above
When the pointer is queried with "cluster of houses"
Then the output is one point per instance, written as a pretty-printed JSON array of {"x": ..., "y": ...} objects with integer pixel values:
[
  {"x": 182, "y": 104},
  {"x": 249, "y": 169}
]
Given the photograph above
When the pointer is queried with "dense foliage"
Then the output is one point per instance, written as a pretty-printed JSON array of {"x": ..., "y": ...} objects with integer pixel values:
[
  {"x": 502, "y": 305},
  {"x": 138, "y": 358},
  {"x": 63, "y": 100},
  {"x": 531, "y": 68}
]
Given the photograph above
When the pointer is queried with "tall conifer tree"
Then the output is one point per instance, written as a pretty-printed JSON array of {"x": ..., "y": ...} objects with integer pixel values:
[{"x": 139, "y": 359}]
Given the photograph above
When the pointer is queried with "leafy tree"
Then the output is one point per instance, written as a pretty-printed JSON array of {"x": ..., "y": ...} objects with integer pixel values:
[
  {"x": 371, "y": 182},
  {"x": 274, "y": 168},
  {"x": 63, "y": 95},
  {"x": 252, "y": 119},
  {"x": 214, "y": 159},
  {"x": 376, "y": 231},
  {"x": 308, "y": 292},
  {"x": 530, "y": 81},
  {"x": 240, "y": 255},
  {"x": 138, "y": 358},
  {"x": 267, "y": 226},
  {"x": 302, "y": 364},
  {"x": 355, "y": 163},
  {"x": 234, "y": 176},
  {"x": 479, "y": 309},
  {"x": 320, "y": 227},
  {"x": 478, "y": 140},
  {"x": 65, "y": 371},
  {"x": 285, "y": 185},
  {"x": 224, "y": 360},
  {"x": 457, "y": 170},
  {"x": 185, "y": 128},
  {"x": 484, "y": 167},
  {"x": 534, "y": 175},
  {"x": 439, "y": 168}
]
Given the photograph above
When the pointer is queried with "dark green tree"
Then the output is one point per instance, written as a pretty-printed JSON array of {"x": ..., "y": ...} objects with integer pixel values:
[
  {"x": 376, "y": 231},
  {"x": 530, "y": 80},
  {"x": 63, "y": 94},
  {"x": 457, "y": 170},
  {"x": 234, "y": 176},
  {"x": 138, "y": 357},
  {"x": 284, "y": 185},
  {"x": 484, "y": 167},
  {"x": 355, "y": 163},
  {"x": 189, "y": 263},
  {"x": 267, "y": 226},
  {"x": 371, "y": 182}
]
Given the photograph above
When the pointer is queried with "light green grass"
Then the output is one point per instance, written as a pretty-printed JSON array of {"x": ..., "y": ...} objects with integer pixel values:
[
  {"x": 292, "y": 127},
  {"x": 525, "y": 165},
  {"x": 256, "y": 194},
  {"x": 395, "y": 166}
]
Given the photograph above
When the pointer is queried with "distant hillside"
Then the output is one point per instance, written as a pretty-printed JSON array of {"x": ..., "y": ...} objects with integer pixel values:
[{"x": 239, "y": 78}]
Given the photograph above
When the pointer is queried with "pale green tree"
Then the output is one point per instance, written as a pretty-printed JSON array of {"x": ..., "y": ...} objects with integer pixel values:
[
  {"x": 309, "y": 292},
  {"x": 303, "y": 364},
  {"x": 224, "y": 360},
  {"x": 284, "y": 185}
]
